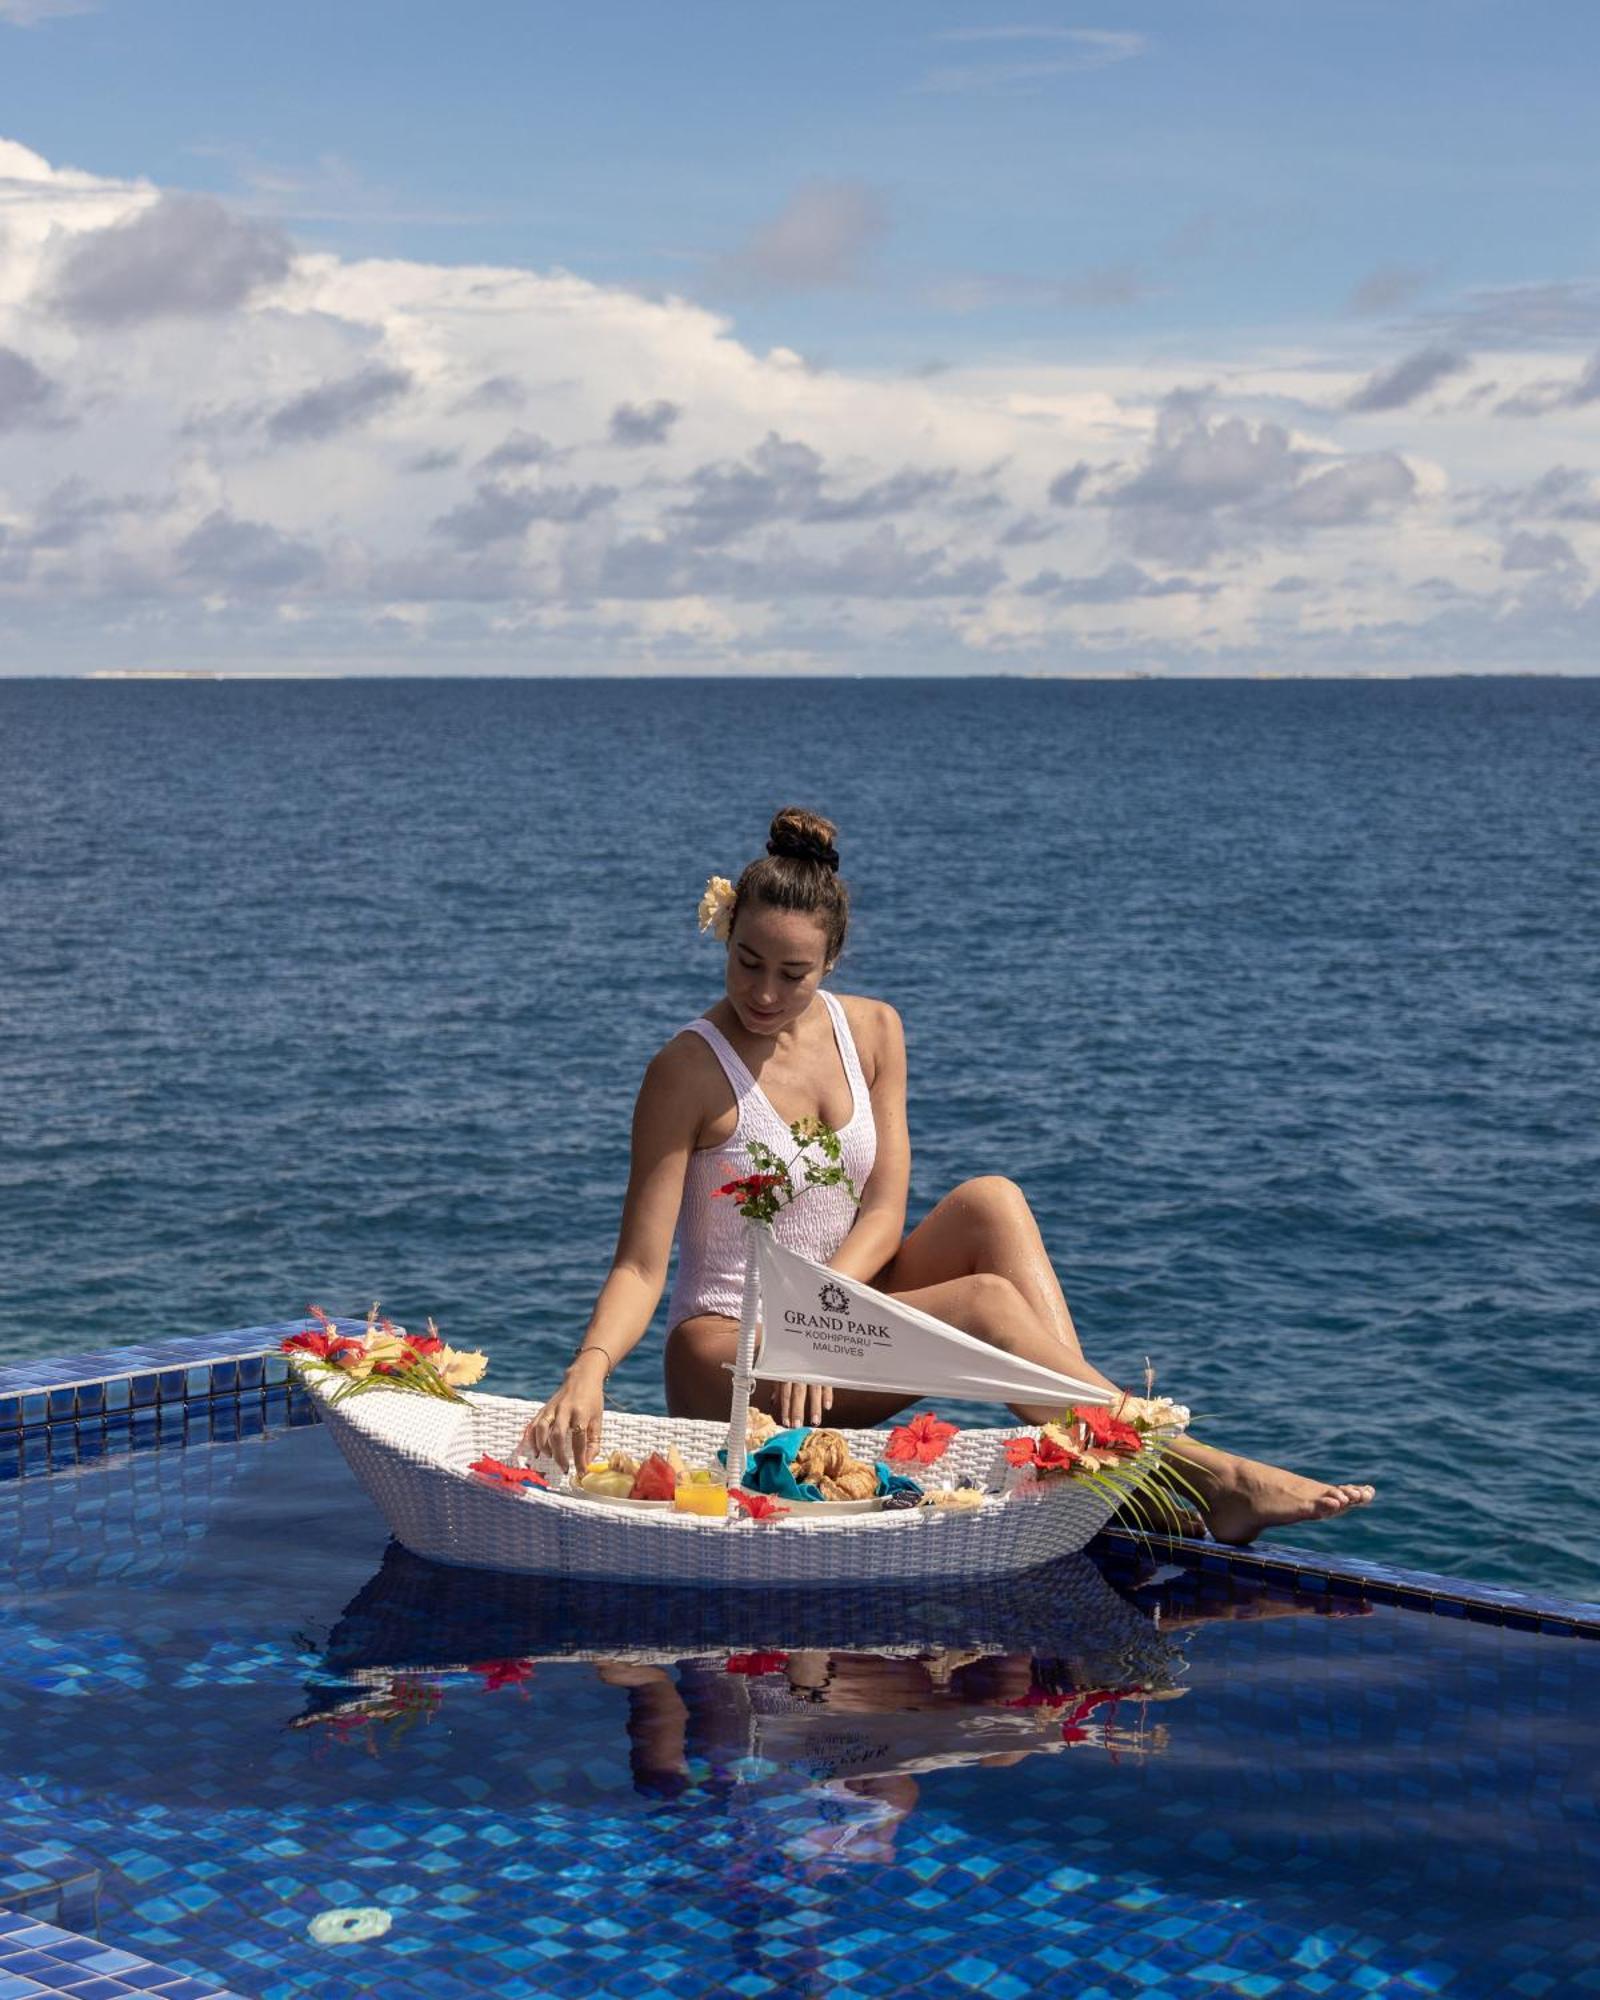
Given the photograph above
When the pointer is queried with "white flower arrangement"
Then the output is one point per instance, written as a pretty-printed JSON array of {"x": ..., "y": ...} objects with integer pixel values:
[
  {"x": 716, "y": 908},
  {"x": 1153, "y": 1413}
]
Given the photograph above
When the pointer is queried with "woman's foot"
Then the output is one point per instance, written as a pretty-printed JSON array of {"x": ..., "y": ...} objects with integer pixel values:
[{"x": 1247, "y": 1496}]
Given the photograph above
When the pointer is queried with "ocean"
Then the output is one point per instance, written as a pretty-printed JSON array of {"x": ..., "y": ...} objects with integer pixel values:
[{"x": 1278, "y": 998}]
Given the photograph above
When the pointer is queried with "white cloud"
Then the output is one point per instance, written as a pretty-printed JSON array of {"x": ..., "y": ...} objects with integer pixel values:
[
  {"x": 27, "y": 394},
  {"x": 1394, "y": 387},
  {"x": 181, "y": 254},
  {"x": 1387, "y": 286},
  {"x": 634, "y": 424},
  {"x": 1574, "y": 393},
  {"x": 331, "y": 407},
  {"x": 823, "y": 236},
  {"x": 293, "y": 456},
  {"x": 1042, "y": 55},
  {"x": 29, "y": 13}
]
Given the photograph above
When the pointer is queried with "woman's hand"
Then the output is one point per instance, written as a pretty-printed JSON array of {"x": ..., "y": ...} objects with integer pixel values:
[
  {"x": 567, "y": 1428},
  {"x": 802, "y": 1403}
]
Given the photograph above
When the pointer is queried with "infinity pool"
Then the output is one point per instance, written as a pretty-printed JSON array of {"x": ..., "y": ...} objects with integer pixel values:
[{"x": 245, "y": 1739}]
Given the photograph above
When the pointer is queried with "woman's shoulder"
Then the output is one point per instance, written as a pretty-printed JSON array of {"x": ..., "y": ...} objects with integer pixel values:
[
  {"x": 875, "y": 1027},
  {"x": 685, "y": 1053},
  {"x": 681, "y": 1086},
  {"x": 858, "y": 1007}
]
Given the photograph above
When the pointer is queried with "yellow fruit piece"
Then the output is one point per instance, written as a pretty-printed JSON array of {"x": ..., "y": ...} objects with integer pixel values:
[
  {"x": 607, "y": 1484},
  {"x": 701, "y": 1496}
]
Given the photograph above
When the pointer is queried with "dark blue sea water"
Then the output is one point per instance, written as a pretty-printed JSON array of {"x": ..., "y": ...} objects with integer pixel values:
[{"x": 1278, "y": 999}]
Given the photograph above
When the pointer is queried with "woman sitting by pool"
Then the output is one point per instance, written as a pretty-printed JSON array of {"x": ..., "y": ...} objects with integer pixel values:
[{"x": 778, "y": 1048}]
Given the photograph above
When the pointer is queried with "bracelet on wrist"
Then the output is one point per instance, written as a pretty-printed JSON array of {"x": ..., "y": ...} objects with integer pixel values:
[{"x": 593, "y": 1347}]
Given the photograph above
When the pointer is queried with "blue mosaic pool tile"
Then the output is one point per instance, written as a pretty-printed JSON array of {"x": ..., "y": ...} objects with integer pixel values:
[
  {"x": 147, "y": 1397},
  {"x": 149, "y": 1357},
  {"x": 39, "y": 1960}
]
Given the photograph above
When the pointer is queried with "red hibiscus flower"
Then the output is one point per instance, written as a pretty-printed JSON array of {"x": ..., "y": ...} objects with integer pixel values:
[
  {"x": 1109, "y": 1433},
  {"x": 759, "y": 1506},
  {"x": 316, "y": 1344},
  {"x": 324, "y": 1345},
  {"x": 504, "y": 1673},
  {"x": 756, "y": 1663},
  {"x": 921, "y": 1441},
  {"x": 498, "y": 1473},
  {"x": 324, "y": 1341},
  {"x": 1044, "y": 1453},
  {"x": 1051, "y": 1455}
]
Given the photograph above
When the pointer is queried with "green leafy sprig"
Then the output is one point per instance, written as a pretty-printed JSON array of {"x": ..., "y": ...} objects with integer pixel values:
[{"x": 772, "y": 1186}]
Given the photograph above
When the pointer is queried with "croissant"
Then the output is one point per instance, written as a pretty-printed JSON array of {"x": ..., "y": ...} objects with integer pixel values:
[
  {"x": 823, "y": 1455},
  {"x": 855, "y": 1482}
]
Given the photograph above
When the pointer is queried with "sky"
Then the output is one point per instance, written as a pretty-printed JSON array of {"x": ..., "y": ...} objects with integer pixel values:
[{"x": 1188, "y": 337}]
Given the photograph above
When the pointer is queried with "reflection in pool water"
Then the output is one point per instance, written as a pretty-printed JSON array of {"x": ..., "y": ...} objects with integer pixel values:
[
  {"x": 223, "y": 1697},
  {"x": 853, "y": 1693}
]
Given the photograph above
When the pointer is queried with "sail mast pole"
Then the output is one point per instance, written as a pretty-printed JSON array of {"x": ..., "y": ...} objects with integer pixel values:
[{"x": 744, "y": 1360}]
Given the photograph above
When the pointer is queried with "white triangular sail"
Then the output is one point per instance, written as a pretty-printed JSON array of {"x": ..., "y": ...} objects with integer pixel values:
[{"x": 819, "y": 1327}]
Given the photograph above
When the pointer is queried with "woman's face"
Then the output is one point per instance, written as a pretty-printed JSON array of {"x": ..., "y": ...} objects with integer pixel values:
[{"x": 776, "y": 961}]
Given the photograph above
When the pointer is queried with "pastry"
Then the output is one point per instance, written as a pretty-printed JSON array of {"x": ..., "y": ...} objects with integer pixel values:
[
  {"x": 854, "y": 1481},
  {"x": 822, "y": 1455}
]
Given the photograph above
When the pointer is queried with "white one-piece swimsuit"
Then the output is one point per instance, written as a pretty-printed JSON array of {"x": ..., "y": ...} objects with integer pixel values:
[{"x": 711, "y": 1241}]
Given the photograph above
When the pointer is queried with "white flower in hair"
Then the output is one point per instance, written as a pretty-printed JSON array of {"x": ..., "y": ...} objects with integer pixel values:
[{"x": 716, "y": 908}]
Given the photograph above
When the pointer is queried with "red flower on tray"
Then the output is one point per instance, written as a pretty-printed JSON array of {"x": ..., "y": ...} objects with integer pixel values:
[
  {"x": 756, "y": 1663},
  {"x": 1053, "y": 1454},
  {"x": 324, "y": 1344},
  {"x": 1045, "y": 1453},
  {"x": 920, "y": 1442},
  {"x": 510, "y": 1477},
  {"x": 1106, "y": 1432},
  {"x": 759, "y": 1506}
]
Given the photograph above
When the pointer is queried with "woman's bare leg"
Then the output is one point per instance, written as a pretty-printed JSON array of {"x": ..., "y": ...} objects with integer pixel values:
[{"x": 986, "y": 1225}]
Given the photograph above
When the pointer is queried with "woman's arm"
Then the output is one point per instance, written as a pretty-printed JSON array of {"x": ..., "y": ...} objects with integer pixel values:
[
  {"x": 666, "y": 1125},
  {"x": 881, "y": 1219}
]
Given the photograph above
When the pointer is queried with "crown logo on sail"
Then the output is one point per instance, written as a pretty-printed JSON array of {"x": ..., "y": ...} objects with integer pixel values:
[{"x": 833, "y": 1298}]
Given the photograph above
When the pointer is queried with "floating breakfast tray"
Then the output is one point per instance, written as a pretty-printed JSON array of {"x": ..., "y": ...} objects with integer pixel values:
[
  {"x": 412, "y": 1454},
  {"x": 799, "y": 1323}
]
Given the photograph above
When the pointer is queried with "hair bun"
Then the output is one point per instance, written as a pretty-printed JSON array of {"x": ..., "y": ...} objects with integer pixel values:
[{"x": 798, "y": 835}]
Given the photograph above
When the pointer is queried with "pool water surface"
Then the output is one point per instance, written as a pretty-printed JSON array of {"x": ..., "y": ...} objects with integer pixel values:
[{"x": 231, "y": 1714}]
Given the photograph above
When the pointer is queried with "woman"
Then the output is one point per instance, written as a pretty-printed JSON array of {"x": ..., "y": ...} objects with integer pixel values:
[{"x": 778, "y": 1048}]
